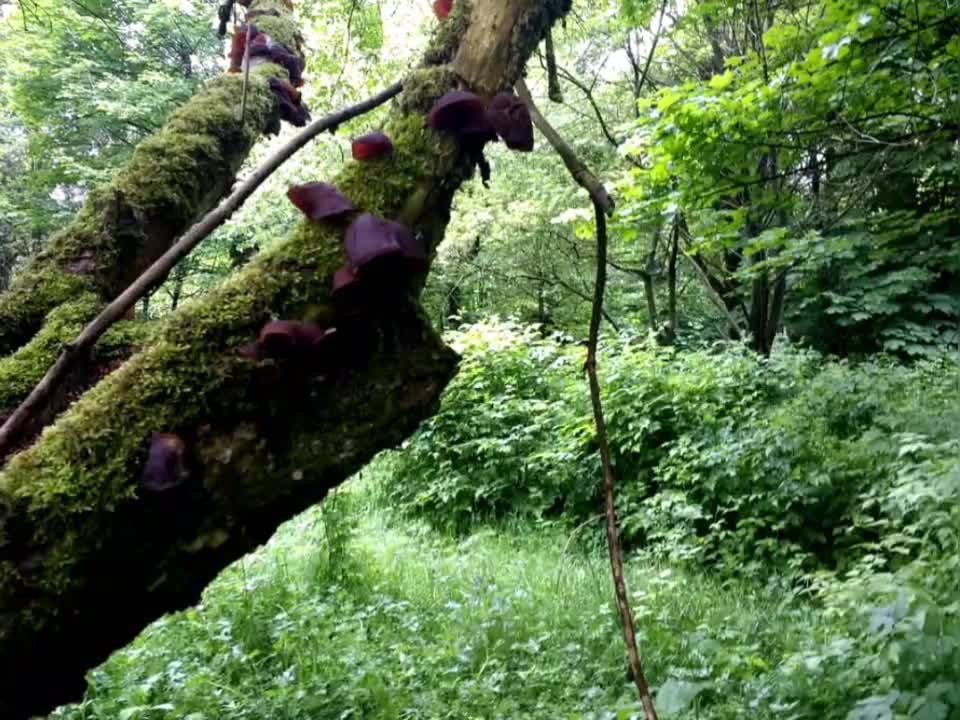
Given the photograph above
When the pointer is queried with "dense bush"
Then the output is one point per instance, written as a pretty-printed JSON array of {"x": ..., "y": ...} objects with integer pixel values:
[
  {"x": 836, "y": 482},
  {"x": 794, "y": 460}
]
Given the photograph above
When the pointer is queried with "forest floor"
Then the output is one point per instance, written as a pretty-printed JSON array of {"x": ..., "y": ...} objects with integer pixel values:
[{"x": 351, "y": 613}]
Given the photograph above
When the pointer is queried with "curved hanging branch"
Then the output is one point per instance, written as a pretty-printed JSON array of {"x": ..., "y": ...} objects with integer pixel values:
[
  {"x": 603, "y": 206},
  {"x": 580, "y": 172}
]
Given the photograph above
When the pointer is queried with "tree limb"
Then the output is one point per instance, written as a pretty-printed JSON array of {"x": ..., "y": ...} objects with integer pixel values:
[
  {"x": 156, "y": 273},
  {"x": 580, "y": 172}
]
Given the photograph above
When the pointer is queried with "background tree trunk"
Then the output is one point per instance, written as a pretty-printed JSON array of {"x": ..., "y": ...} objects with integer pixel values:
[{"x": 88, "y": 555}]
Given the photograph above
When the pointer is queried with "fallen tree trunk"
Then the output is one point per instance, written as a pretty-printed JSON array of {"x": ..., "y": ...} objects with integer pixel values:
[
  {"x": 88, "y": 553},
  {"x": 174, "y": 177}
]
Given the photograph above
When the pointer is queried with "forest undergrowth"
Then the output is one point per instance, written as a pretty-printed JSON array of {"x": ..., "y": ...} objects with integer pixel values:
[{"x": 824, "y": 585}]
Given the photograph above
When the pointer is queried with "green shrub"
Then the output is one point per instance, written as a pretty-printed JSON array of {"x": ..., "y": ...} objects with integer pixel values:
[
  {"x": 493, "y": 449},
  {"x": 723, "y": 456}
]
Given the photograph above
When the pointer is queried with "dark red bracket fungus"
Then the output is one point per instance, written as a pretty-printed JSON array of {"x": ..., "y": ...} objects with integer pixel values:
[
  {"x": 462, "y": 114},
  {"x": 510, "y": 117},
  {"x": 250, "y": 351},
  {"x": 442, "y": 8},
  {"x": 345, "y": 282},
  {"x": 166, "y": 466},
  {"x": 263, "y": 46},
  {"x": 288, "y": 99},
  {"x": 278, "y": 338},
  {"x": 287, "y": 339},
  {"x": 311, "y": 336},
  {"x": 344, "y": 277},
  {"x": 370, "y": 238},
  {"x": 319, "y": 201},
  {"x": 371, "y": 146}
]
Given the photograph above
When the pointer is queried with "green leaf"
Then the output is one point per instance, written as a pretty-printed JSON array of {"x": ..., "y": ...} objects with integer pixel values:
[{"x": 675, "y": 696}]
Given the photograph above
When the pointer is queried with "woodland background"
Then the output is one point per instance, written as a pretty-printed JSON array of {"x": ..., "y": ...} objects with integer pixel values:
[{"x": 779, "y": 364}]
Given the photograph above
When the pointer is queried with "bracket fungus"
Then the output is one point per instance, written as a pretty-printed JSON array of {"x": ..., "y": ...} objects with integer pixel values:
[
  {"x": 319, "y": 201},
  {"x": 371, "y": 146},
  {"x": 288, "y": 97},
  {"x": 288, "y": 339},
  {"x": 166, "y": 466},
  {"x": 311, "y": 335},
  {"x": 263, "y": 46},
  {"x": 238, "y": 46},
  {"x": 464, "y": 115},
  {"x": 278, "y": 338},
  {"x": 442, "y": 8},
  {"x": 511, "y": 119},
  {"x": 345, "y": 284},
  {"x": 370, "y": 238}
]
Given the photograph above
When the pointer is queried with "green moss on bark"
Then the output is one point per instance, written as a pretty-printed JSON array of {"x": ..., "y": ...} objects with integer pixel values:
[
  {"x": 20, "y": 372},
  {"x": 23, "y": 307},
  {"x": 193, "y": 366},
  {"x": 173, "y": 177},
  {"x": 425, "y": 86},
  {"x": 445, "y": 41}
]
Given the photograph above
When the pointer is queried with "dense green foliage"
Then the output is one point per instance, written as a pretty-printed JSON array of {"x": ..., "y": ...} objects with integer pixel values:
[
  {"x": 80, "y": 85},
  {"x": 791, "y": 461},
  {"x": 351, "y": 612},
  {"x": 809, "y": 155}
]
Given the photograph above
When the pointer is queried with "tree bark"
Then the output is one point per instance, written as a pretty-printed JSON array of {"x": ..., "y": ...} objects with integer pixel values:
[{"x": 88, "y": 553}]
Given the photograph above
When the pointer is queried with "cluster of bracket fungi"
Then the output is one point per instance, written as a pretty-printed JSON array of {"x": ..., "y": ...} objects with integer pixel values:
[
  {"x": 382, "y": 255},
  {"x": 265, "y": 48}
]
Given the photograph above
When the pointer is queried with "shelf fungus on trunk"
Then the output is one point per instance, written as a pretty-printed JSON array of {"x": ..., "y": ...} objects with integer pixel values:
[
  {"x": 371, "y": 146},
  {"x": 319, "y": 201}
]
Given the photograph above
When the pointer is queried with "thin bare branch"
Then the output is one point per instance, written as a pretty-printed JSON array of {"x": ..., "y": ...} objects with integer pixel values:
[
  {"x": 603, "y": 206},
  {"x": 580, "y": 172},
  {"x": 609, "y": 480}
]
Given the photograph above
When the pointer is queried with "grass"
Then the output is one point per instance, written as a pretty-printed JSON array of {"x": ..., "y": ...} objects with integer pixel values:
[{"x": 348, "y": 613}]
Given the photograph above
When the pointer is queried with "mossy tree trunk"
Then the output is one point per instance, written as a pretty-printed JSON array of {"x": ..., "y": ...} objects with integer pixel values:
[
  {"x": 173, "y": 178},
  {"x": 88, "y": 555}
]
